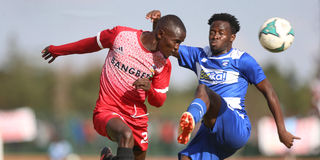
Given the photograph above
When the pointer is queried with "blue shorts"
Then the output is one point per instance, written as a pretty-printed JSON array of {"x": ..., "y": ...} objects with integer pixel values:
[{"x": 230, "y": 132}]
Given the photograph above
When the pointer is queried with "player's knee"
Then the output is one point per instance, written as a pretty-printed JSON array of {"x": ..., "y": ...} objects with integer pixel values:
[
  {"x": 201, "y": 93},
  {"x": 201, "y": 89},
  {"x": 126, "y": 135}
]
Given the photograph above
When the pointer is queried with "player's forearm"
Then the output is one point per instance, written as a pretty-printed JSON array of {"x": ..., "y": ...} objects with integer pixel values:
[
  {"x": 156, "y": 98},
  {"x": 87, "y": 45},
  {"x": 274, "y": 106},
  {"x": 154, "y": 24},
  {"x": 269, "y": 93}
]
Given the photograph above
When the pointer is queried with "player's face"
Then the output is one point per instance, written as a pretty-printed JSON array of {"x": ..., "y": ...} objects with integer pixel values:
[
  {"x": 220, "y": 37},
  {"x": 170, "y": 41}
]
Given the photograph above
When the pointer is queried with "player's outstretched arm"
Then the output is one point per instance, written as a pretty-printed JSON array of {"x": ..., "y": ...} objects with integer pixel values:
[
  {"x": 86, "y": 45},
  {"x": 267, "y": 90},
  {"x": 154, "y": 16}
]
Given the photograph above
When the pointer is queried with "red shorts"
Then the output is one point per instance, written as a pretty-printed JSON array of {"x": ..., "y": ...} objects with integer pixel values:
[{"x": 140, "y": 133}]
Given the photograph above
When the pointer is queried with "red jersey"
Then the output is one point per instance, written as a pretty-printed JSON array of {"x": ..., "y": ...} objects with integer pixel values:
[{"x": 127, "y": 61}]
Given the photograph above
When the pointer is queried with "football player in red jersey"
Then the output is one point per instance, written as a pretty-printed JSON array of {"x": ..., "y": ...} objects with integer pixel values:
[{"x": 136, "y": 68}]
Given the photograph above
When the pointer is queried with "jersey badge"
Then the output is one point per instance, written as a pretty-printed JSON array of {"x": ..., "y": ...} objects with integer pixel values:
[
  {"x": 152, "y": 70},
  {"x": 225, "y": 63}
]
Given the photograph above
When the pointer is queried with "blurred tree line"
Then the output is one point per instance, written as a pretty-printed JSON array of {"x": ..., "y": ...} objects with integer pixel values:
[
  {"x": 58, "y": 94},
  {"x": 24, "y": 83}
]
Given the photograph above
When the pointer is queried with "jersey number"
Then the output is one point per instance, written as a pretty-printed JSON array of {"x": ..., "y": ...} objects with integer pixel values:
[{"x": 145, "y": 137}]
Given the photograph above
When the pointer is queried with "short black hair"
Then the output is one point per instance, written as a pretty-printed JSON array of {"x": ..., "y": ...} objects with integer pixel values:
[
  {"x": 234, "y": 23},
  {"x": 170, "y": 20}
]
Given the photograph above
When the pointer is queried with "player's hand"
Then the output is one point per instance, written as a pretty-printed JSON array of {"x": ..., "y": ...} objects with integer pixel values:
[
  {"x": 287, "y": 138},
  {"x": 46, "y": 55},
  {"x": 142, "y": 83},
  {"x": 153, "y": 15}
]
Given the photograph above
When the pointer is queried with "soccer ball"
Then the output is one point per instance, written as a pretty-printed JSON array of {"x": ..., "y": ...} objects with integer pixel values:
[{"x": 276, "y": 34}]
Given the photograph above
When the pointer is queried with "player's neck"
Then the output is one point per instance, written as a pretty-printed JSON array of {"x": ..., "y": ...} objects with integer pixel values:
[
  {"x": 221, "y": 52},
  {"x": 149, "y": 41}
]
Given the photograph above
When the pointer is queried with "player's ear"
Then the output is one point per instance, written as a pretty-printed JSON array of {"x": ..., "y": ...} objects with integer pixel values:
[
  {"x": 233, "y": 37},
  {"x": 159, "y": 34}
]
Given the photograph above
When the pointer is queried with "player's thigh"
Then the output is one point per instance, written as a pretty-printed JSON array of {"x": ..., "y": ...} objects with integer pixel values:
[
  {"x": 101, "y": 119},
  {"x": 213, "y": 109},
  {"x": 116, "y": 127},
  {"x": 234, "y": 125}
]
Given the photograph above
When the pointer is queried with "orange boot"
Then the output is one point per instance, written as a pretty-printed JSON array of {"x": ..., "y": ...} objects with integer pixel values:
[{"x": 186, "y": 127}]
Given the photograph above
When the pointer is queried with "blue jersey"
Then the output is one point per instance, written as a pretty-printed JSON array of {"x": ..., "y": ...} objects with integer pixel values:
[{"x": 228, "y": 74}]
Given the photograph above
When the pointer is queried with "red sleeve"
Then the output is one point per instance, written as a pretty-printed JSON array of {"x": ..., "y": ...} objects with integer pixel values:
[
  {"x": 104, "y": 39},
  {"x": 83, "y": 46},
  {"x": 159, "y": 86}
]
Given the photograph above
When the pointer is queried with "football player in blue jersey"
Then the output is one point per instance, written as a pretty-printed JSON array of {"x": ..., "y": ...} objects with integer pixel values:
[{"x": 224, "y": 74}]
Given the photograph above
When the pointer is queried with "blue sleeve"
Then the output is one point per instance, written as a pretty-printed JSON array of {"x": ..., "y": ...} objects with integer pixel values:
[
  {"x": 189, "y": 57},
  {"x": 251, "y": 70}
]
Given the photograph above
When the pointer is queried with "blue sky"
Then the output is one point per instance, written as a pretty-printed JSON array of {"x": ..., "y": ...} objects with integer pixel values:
[{"x": 38, "y": 23}]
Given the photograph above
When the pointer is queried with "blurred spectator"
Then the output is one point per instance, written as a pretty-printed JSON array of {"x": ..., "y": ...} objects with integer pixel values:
[
  {"x": 59, "y": 149},
  {"x": 167, "y": 132},
  {"x": 89, "y": 133},
  {"x": 78, "y": 136}
]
